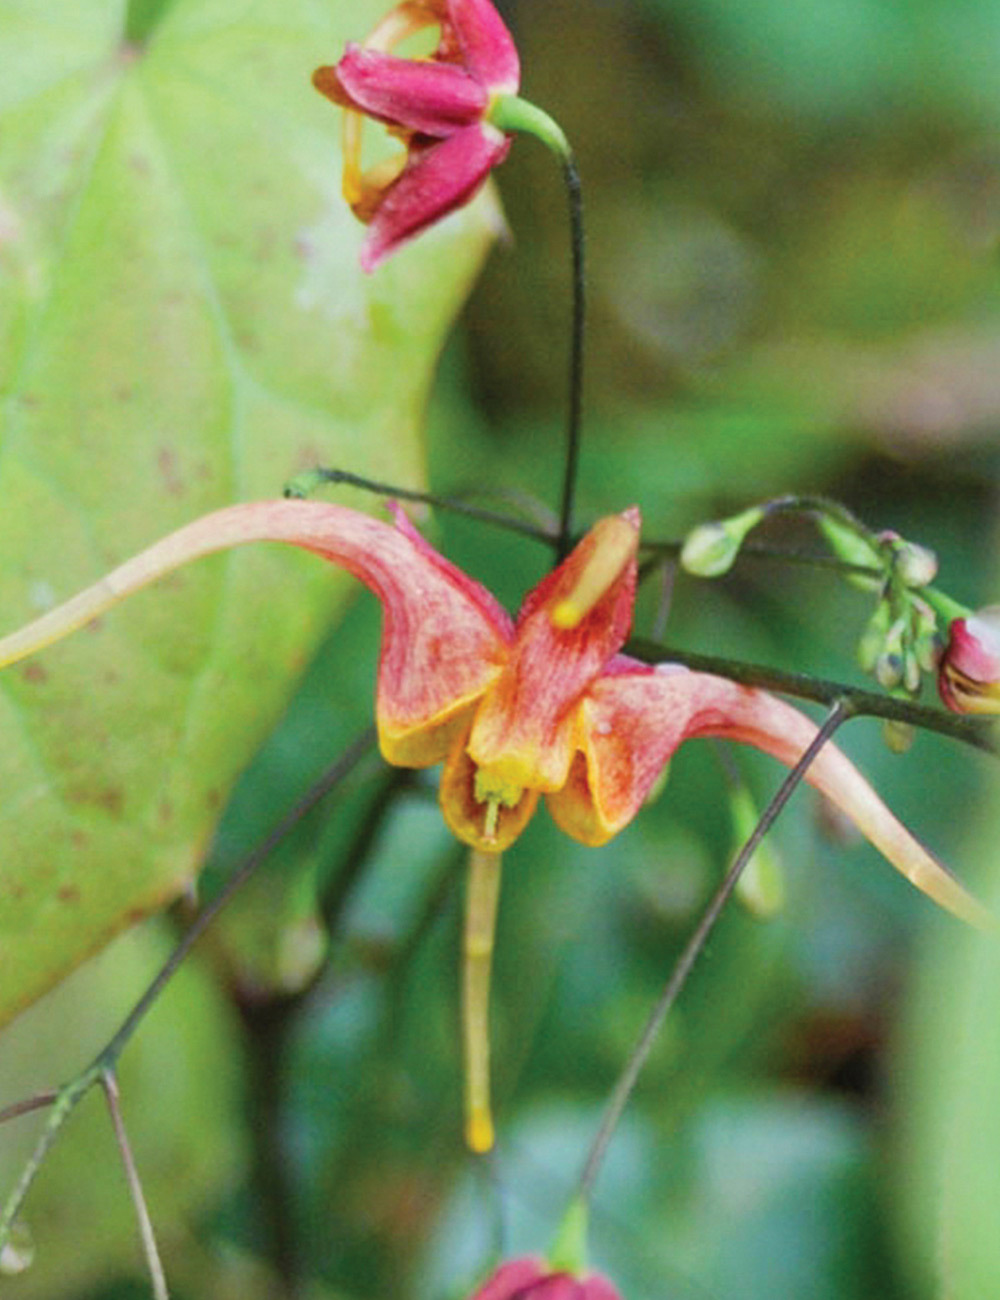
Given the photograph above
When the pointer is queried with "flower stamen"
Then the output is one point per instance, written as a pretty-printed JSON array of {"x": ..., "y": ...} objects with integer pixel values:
[{"x": 494, "y": 790}]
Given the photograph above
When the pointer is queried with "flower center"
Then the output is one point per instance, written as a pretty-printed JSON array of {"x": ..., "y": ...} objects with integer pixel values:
[{"x": 492, "y": 788}]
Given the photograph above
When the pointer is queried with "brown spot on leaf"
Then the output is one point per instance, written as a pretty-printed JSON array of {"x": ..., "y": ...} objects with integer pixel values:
[
  {"x": 68, "y": 894},
  {"x": 34, "y": 673},
  {"x": 111, "y": 799},
  {"x": 170, "y": 474}
]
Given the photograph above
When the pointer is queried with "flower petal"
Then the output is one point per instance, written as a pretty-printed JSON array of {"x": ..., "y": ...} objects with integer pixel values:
[
  {"x": 435, "y": 99},
  {"x": 437, "y": 180},
  {"x": 969, "y": 671},
  {"x": 468, "y": 817},
  {"x": 633, "y": 721},
  {"x": 569, "y": 626},
  {"x": 444, "y": 637},
  {"x": 484, "y": 44}
]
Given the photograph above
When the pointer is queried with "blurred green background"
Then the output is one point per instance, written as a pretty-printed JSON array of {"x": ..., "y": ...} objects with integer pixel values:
[{"x": 793, "y": 214}]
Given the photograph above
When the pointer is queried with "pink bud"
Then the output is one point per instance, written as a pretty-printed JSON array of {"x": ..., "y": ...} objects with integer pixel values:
[
  {"x": 531, "y": 1279},
  {"x": 969, "y": 671}
]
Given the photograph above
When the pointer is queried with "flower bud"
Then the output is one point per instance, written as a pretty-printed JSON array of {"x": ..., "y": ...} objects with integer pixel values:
[
  {"x": 710, "y": 549},
  {"x": 898, "y": 736},
  {"x": 889, "y": 665},
  {"x": 969, "y": 671},
  {"x": 916, "y": 565},
  {"x": 850, "y": 546},
  {"x": 531, "y": 1279},
  {"x": 873, "y": 638}
]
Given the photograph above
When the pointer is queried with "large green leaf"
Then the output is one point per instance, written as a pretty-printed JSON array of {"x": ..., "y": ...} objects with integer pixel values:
[{"x": 182, "y": 323}]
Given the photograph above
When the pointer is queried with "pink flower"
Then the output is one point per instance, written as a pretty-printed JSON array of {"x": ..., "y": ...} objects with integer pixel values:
[
  {"x": 532, "y": 1279},
  {"x": 544, "y": 705},
  {"x": 969, "y": 670},
  {"x": 439, "y": 107}
]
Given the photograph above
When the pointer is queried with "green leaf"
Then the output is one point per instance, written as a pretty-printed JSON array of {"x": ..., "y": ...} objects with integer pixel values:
[
  {"x": 183, "y": 323},
  {"x": 180, "y": 1097}
]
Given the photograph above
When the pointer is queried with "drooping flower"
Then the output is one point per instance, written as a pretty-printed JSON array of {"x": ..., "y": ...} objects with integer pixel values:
[
  {"x": 969, "y": 670},
  {"x": 533, "y": 1279},
  {"x": 544, "y": 705},
  {"x": 438, "y": 107}
]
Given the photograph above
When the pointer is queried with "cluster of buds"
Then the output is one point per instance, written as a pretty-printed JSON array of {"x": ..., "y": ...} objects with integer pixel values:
[
  {"x": 899, "y": 642},
  {"x": 902, "y": 640}
]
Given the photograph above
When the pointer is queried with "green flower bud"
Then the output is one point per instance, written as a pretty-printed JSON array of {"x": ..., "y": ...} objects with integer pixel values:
[
  {"x": 898, "y": 736},
  {"x": 873, "y": 637},
  {"x": 916, "y": 565},
  {"x": 710, "y": 549},
  {"x": 851, "y": 547},
  {"x": 889, "y": 664}
]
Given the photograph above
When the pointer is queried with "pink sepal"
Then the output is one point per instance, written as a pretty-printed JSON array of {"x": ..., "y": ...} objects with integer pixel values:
[
  {"x": 435, "y": 99},
  {"x": 486, "y": 47},
  {"x": 435, "y": 182}
]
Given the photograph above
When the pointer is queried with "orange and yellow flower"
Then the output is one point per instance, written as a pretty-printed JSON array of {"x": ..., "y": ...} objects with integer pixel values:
[{"x": 515, "y": 709}]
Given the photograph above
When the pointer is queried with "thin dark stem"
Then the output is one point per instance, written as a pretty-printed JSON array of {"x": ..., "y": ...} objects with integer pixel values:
[
  {"x": 109, "y": 1083},
  {"x": 330, "y": 778},
  {"x": 573, "y": 426},
  {"x": 38, "y": 1102},
  {"x": 652, "y": 547},
  {"x": 977, "y": 732},
  {"x": 456, "y": 505},
  {"x": 267, "y": 1024},
  {"x": 336, "y": 893},
  {"x": 838, "y": 714}
]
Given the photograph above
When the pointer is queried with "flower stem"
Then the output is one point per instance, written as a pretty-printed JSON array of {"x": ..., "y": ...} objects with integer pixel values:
[
  {"x": 153, "y": 1262},
  {"x": 512, "y": 113},
  {"x": 837, "y": 715},
  {"x": 306, "y": 483},
  {"x": 482, "y": 893},
  {"x": 575, "y": 415},
  {"x": 978, "y": 732}
]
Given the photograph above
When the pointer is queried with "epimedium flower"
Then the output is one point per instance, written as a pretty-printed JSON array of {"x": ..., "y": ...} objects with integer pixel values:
[
  {"x": 516, "y": 709},
  {"x": 439, "y": 107},
  {"x": 969, "y": 668},
  {"x": 533, "y": 1279}
]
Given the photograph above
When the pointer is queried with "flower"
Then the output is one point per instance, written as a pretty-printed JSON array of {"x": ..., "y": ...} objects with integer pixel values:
[
  {"x": 544, "y": 705},
  {"x": 439, "y": 108},
  {"x": 969, "y": 670},
  {"x": 532, "y": 1279}
]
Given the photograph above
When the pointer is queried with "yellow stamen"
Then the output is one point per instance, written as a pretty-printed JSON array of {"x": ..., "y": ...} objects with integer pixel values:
[
  {"x": 492, "y": 816},
  {"x": 482, "y": 894},
  {"x": 405, "y": 20},
  {"x": 615, "y": 541},
  {"x": 399, "y": 23},
  {"x": 351, "y": 182}
]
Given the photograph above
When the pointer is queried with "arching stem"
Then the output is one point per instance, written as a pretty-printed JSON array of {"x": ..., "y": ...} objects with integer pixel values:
[{"x": 838, "y": 714}]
